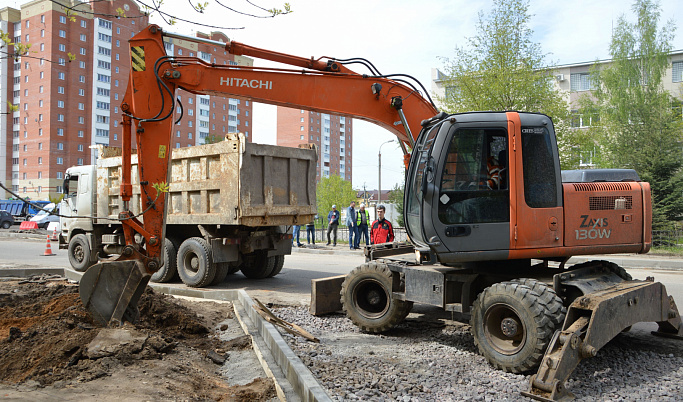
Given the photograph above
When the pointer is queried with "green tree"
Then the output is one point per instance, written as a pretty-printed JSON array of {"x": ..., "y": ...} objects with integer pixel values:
[
  {"x": 213, "y": 138},
  {"x": 503, "y": 69},
  {"x": 396, "y": 199},
  {"x": 638, "y": 125},
  {"x": 333, "y": 190}
]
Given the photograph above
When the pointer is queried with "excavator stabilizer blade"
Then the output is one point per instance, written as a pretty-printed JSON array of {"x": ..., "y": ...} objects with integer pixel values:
[{"x": 111, "y": 290}]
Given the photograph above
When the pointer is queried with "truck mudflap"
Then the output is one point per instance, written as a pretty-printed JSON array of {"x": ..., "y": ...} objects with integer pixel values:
[{"x": 592, "y": 321}]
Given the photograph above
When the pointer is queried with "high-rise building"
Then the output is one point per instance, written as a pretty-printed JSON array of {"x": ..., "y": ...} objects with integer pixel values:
[
  {"x": 332, "y": 134},
  {"x": 63, "y": 96}
]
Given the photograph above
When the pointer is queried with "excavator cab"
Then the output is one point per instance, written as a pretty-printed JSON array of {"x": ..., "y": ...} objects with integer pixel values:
[{"x": 463, "y": 194}]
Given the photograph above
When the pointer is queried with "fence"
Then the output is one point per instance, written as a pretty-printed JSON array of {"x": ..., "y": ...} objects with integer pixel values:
[{"x": 667, "y": 238}]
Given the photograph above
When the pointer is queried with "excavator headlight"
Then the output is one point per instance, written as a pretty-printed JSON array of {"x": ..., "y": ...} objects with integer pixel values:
[{"x": 376, "y": 88}]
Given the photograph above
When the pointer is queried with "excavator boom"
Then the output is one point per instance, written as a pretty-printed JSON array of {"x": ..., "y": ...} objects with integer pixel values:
[{"x": 111, "y": 289}]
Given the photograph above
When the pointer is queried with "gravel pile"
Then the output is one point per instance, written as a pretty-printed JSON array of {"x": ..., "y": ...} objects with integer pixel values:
[{"x": 431, "y": 358}]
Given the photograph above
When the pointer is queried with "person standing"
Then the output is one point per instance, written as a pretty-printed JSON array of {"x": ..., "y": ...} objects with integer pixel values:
[
  {"x": 382, "y": 231},
  {"x": 295, "y": 235},
  {"x": 351, "y": 223},
  {"x": 310, "y": 232},
  {"x": 363, "y": 220},
  {"x": 333, "y": 220}
]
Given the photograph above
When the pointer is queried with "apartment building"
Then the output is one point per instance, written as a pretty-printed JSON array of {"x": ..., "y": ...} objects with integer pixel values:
[
  {"x": 332, "y": 134},
  {"x": 67, "y": 90}
]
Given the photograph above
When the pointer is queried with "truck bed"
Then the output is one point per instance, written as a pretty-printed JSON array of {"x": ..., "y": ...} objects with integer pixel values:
[{"x": 232, "y": 182}]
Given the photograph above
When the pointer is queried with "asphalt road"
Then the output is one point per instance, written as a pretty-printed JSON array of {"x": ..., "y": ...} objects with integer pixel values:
[{"x": 292, "y": 286}]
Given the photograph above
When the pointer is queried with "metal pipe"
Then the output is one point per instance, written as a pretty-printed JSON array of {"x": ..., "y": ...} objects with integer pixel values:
[{"x": 404, "y": 121}]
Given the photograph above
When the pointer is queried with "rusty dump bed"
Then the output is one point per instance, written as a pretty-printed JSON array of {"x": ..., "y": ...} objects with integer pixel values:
[{"x": 232, "y": 182}]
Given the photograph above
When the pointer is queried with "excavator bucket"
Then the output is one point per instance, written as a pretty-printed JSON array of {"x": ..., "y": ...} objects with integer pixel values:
[{"x": 111, "y": 290}]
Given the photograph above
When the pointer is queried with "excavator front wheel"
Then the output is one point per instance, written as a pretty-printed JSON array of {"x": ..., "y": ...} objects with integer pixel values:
[
  {"x": 367, "y": 300},
  {"x": 512, "y": 326}
]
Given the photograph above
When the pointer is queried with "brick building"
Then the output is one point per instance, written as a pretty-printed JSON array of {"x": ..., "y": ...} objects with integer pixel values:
[
  {"x": 332, "y": 134},
  {"x": 68, "y": 88}
]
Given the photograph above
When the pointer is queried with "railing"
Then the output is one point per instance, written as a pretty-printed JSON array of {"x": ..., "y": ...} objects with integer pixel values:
[
  {"x": 342, "y": 233},
  {"x": 667, "y": 238}
]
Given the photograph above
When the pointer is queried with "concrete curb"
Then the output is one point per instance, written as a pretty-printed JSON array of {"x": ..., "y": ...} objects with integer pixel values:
[{"x": 292, "y": 379}]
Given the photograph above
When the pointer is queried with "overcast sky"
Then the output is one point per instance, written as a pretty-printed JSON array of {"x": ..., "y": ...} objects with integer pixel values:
[{"x": 403, "y": 36}]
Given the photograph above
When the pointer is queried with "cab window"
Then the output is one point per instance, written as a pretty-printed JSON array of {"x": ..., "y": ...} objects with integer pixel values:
[{"x": 474, "y": 180}]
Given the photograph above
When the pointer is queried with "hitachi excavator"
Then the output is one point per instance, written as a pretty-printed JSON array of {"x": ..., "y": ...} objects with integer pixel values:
[{"x": 491, "y": 249}]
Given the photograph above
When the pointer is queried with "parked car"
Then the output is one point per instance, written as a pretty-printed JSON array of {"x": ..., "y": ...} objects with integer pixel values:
[
  {"x": 43, "y": 218},
  {"x": 6, "y": 220}
]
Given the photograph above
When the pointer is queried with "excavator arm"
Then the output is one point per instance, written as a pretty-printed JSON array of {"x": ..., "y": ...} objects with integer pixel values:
[{"x": 111, "y": 289}]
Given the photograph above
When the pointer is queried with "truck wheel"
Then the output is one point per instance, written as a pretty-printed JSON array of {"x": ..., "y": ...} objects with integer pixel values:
[
  {"x": 235, "y": 267},
  {"x": 258, "y": 265},
  {"x": 79, "y": 253},
  {"x": 195, "y": 265},
  {"x": 366, "y": 298},
  {"x": 222, "y": 269},
  {"x": 168, "y": 271},
  {"x": 555, "y": 307},
  {"x": 512, "y": 326},
  {"x": 279, "y": 263}
]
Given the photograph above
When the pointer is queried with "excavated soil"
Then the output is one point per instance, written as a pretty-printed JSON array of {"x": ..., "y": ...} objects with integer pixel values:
[{"x": 49, "y": 342}]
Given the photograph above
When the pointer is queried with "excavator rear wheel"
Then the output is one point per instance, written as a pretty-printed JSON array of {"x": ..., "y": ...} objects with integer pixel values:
[
  {"x": 512, "y": 326},
  {"x": 195, "y": 263},
  {"x": 367, "y": 300}
]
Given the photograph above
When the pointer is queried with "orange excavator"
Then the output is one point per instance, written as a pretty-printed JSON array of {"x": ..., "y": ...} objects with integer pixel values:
[{"x": 491, "y": 250}]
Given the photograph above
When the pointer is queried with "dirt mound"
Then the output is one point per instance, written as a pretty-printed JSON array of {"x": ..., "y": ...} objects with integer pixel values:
[{"x": 49, "y": 338}]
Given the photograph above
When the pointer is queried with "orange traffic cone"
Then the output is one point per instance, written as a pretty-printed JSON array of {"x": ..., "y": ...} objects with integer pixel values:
[
  {"x": 54, "y": 235},
  {"x": 48, "y": 249}
]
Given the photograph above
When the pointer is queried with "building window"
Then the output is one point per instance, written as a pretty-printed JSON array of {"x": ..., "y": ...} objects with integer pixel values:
[
  {"x": 81, "y": 78},
  {"x": 82, "y": 51},
  {"x": 60, "y": 132},
  {"x": 62, "y": 33},
  {"x": 80, "y": 133},
  {"x": 81, "y": 120},
  {"x": 81, "y": 64},
  {"x": 60, "y": 117},
  {"x": 80, "y": 147},
  {"x": 40, "y": 160},
  {"x": 62, "y": 47},
  {"x": 104, "y": 37},
  {"x": 81, "y": 106},
  {"x": 104, "y": 51},
  {"x": 580, "y": 82},
  {"x": 60, "y": 161},
  {"x": 81, "y": 92},
  {"x": 84, "y": 24},
  {"x": 677, "y": 71},
  {"x": 80, "y": 161},
  {"x": 62, "y": 19},
  {"x": 60, "y": 90},
  {"x": 103, "y": 78},
  {"x": 60, "y": 146},
  {"x": 60, "y": 104}
]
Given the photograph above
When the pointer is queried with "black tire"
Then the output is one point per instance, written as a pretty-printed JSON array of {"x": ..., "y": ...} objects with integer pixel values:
[
  {"x": 6, "y": 225},
  {"x": 556, "y": 309},
  {"x": 222, "y": 269},
  {"x": 367, "y": 301},
  {"x": 258, "y": 265},
  {"x": 79, "y": 253},
  {"x": 279, "y": 263},
  {"x": 512, "y": 326},
  {"x": 234, "y": 267},
  {"x": 168, "y": 272},
  {"x": 195, "y": 265}
]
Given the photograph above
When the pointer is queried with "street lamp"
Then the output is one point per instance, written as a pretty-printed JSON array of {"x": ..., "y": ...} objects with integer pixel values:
[{"x": 379, "y": 183}]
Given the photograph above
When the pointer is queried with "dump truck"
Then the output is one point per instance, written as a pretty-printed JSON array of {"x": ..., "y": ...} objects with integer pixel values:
[{"x": 230, "y": 208}]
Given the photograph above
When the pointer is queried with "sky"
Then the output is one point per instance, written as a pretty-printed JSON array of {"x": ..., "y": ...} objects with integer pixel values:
[{"x": 402, "y": 36}]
